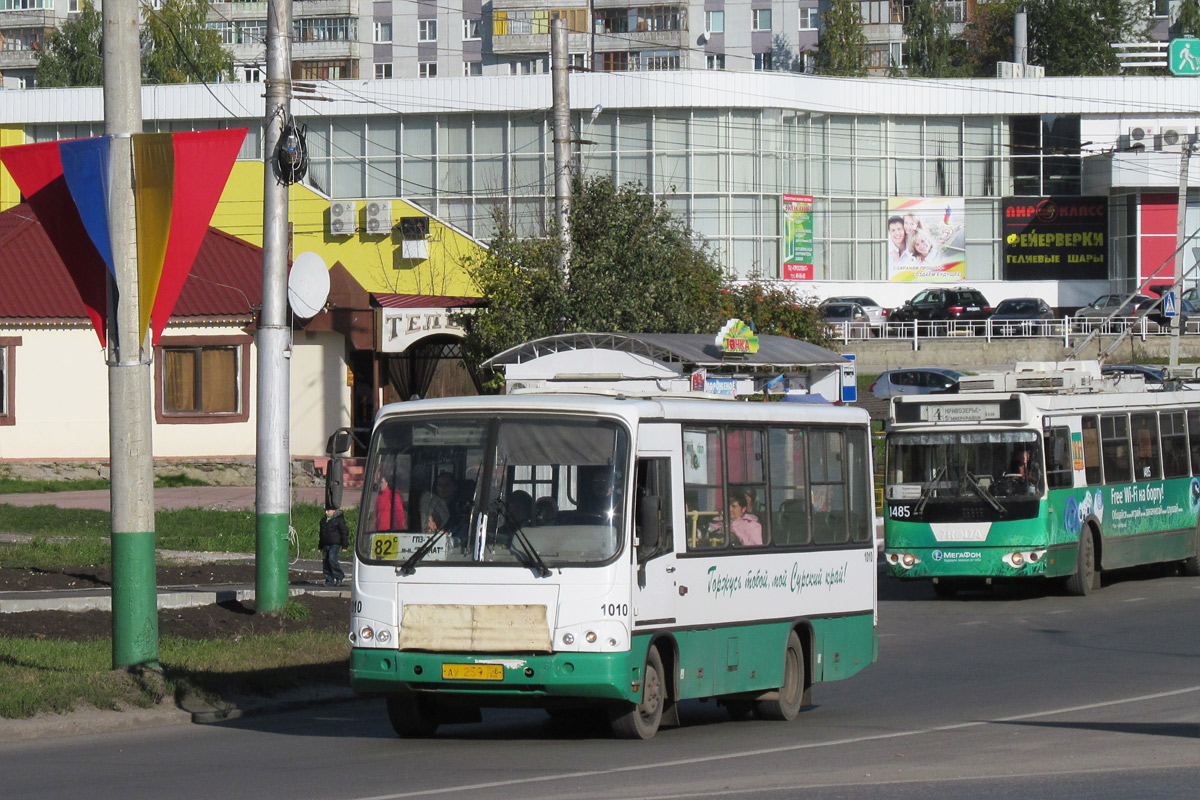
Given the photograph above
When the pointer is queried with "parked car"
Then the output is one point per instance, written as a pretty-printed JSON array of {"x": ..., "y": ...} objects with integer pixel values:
[
  {"x": 839, "y": 315},
  {"x": 1022, "y": 315},
  {"x": 1121, "y": 307},
  {"x": 915, "y": 380},
  {"x": 1189, "y": 304},
  {"x": 1151, "y": 374},
  {"x": 876, "y": 312},
  {"x": 944, "y": 304}
]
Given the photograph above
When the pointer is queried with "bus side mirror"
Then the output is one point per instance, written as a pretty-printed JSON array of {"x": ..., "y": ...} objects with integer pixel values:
[
  {"x": 339, "y": 442},
  {"x": 649, "y": 527}
]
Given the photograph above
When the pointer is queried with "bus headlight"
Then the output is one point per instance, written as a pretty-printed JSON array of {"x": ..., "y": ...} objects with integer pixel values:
[
  {"x": 366, "y": 633},
  {"x": 384, "y": 636},
  {"x": 568, "y": 638},
  {"x": 908, "y": 560},
  {"x": 1023, "y": 558},
  {"x": 1017, "y": 559},
  {"x": 590, "y": 637}
]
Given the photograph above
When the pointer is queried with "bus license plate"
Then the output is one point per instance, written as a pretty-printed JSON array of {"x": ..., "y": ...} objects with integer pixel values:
[{"x": 473, "y": 672}]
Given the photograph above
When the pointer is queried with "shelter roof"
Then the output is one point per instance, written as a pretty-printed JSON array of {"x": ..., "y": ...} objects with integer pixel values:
[{"x": 692, "y": 350}]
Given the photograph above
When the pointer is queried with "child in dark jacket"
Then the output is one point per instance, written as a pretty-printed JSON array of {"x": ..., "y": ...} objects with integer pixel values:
[{"x": 335, "y": 537}]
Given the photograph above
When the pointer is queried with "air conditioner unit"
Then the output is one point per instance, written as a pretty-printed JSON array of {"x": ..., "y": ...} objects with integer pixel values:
[
  {"x": 1139, "y": 137},
  {"x": 414, "y": 249},
  {"x": 379, "y": 217},
  {"x": 414, "y": 227},
  {"x": 1171, "y": 136},
  {"x": 343, "y": 217}
]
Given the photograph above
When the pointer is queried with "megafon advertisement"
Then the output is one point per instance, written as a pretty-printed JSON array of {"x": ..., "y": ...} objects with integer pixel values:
[
  {"x": 1055, "y": 238},
  {"x": 798, "y": 237},
  {"x": 927, "y": 239}
]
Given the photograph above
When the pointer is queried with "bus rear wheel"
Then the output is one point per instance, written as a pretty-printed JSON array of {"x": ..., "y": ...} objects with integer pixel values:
[
  {"x": 1191, "y": 566},
  {"x": 412, "y": 717},
  {"x": 1080, "y": 583},
  {"x": 784, "y": 704},
  {"x": 641, "y": 720}
]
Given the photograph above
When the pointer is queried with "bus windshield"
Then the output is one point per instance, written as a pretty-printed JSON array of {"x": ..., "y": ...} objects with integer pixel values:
[
  {"x": 516, "y": 491},
  {"x": 964, "y": 476}
]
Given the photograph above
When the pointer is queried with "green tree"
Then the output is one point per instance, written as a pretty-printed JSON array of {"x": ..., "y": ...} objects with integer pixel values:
[
  {"x": 1074, "y": 37},
  {"x": 634, "y": 267},
  {"x": 179, "y": 47},
  {"x": 843, "y": 46},
  {"x": 73, "y": 53},
  {"x": 988, "y": 37},
  {"x": 929, "y": 46},
  {"x": 1187, "y": 24}
]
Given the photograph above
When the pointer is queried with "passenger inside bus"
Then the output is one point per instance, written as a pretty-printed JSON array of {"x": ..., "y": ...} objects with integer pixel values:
[
  {"x": 743, "y": 523},
  {"x": 545, "y": 512},
  {"x": 518, "y": 512},
  {"x": 435, "y": 505},
  {"x": 389, "y": 508}
]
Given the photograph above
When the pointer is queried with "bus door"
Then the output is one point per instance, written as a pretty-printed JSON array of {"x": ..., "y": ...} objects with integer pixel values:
[{"x": 655, "y": 592}]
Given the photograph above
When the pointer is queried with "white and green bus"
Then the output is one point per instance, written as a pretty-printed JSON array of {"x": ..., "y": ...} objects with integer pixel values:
[
  {"x": 622, "y": 554},
  {"x": 1041, "y": 474}
]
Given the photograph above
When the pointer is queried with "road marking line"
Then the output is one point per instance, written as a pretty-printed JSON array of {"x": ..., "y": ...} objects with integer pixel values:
[
  {"x": 683, "y": 762},
  {"x": 1133, "y": 600}
]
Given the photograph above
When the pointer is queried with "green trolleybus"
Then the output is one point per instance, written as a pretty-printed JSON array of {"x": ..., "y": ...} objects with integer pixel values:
[
  {"x": 1047, "y": 472},
  {"x": 575, "y": 551}
]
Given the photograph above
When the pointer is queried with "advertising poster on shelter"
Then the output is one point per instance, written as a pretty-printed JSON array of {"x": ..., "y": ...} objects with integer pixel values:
[
  {"x": 797, "y": 237},
  {"x": 1054, "y": 238},
  {"x": 927, "y": 239}
]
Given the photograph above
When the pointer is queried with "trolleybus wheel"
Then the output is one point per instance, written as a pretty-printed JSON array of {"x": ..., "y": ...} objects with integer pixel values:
[
  {"x": 640, "y": 720},
  {"x": 1080, "y": 583},
  {"x": 1191, "y": 566},
  {"x": 412, "y": 717},
  {"x": 784, "y": 704}
]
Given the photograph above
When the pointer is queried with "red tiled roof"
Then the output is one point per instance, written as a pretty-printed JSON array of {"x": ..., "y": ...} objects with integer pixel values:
[
  {"x": 225, "y": 281},
  {"x": 424, "y": 300}
]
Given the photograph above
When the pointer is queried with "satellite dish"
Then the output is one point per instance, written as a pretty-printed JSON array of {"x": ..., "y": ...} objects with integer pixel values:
[{"x": 308, "y": 285}]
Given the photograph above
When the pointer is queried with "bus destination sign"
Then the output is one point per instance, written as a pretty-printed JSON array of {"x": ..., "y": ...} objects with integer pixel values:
[{"x": 959, "y": 412}]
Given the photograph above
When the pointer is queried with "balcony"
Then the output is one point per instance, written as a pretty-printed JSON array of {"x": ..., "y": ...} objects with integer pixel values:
[
  {"x": 514, "y": 43},
  {"x": 536, "y": 5},
  {"x": 29, "y": 19},
  {"x": 325, "y": 8},
  {"x": 18, "y": 59},
  {"x": 641, "y": 40},
  {"x": 325, "y": 50}
]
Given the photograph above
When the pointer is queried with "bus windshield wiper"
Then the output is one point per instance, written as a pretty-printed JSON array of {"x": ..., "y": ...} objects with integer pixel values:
[
  {"x": 927, "y": 488},
  {"x": 985, "y": 493},
  {"x": 410, "y": 565},
  {"x": 531, "y": 552}
]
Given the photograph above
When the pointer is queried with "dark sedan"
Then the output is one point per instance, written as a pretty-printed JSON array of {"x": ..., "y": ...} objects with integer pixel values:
[{"x": 1022, "y": 316}]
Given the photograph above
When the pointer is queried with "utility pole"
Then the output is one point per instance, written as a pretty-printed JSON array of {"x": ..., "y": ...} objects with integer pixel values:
[
  {"x": 273, "y": 465},
  {"x": 1185, "y": 152},
  {"x": 562, "y": 141},
  {"x": 1020, "y": 37},
  {"x": 130, "y": 449}
]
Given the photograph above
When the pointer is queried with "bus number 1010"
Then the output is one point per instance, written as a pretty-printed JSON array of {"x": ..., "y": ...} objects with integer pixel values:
[{"x": 614, "y": 609}]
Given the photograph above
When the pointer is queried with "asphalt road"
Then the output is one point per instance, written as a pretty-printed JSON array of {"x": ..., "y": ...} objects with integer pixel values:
[{"x": 1007, "y": 695}]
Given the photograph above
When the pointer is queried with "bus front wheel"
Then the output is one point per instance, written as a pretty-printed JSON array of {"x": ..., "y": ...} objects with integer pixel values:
[
  {"x": 784, "y": 704},
  {"x": 412, "y": 717},
  {"x": 1080, "y": 583},
  {"x": 640, "y": 720}
]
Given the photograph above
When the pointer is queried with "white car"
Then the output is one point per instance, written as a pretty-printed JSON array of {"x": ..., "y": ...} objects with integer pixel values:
[{"x": 876, "y": 313}]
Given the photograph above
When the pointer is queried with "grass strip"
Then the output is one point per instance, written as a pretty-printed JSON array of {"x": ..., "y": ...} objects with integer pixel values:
[
  {"x": 20, "y": 486},
  {"x": 57, "y": 676},
  {"x": 64, "y": 537}
]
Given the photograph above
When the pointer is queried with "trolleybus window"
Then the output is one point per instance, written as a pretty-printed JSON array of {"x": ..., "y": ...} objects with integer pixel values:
[
  {"x": 1145, "y": 446},
  {"x": 1114, "y": 444},
  {"x": 1193, "y": 418},
  {"x": 1060, "y": 471},
  {"x": 789, "y": 487},
  {"x": 1174, "y": 444},
  {"x": 1091, "y": 451}
]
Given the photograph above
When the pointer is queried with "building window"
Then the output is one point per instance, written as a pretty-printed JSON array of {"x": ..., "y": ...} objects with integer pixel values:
[
  {"x": 808, "y": 19},
  {"x": 472, "y": 69},
  {"x": 8, "y": 348},
  {"x": 427, "y": 69},
  {"x": 324, "y": 29},
  {"x": 714, "y": 21},
  {"x": 577, "y": 60},
  {"x": 715, "y": 61},
  {"x": 383, "y": 71},
  {"x": 1162, "y": 8},
  {"x": 325, "y": 70},
  {"x": 252, "y": 75},
  {"x": 21, "y": 39},
  {"x": 73, "y": 6},
  {"x": 760, "y": 19},
  {"x": 526, "y": 67},
  {"x": 470, "y": 29},
  {"x": 614, "y": 62},
  {"x": 427, "y": 30},
  {"x": 202, "y": 380},
  {"x": 808, "y": 62},
  {"x": 32, "y": 5},
  {"x": 762, "y": 61},
  {"x": 383, "y": 32}
]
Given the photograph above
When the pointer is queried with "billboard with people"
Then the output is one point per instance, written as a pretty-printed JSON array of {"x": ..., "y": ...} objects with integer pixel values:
[{"x": 926, "y": 239}]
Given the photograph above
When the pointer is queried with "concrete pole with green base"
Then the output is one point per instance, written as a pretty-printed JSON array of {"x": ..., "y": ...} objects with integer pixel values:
[
  {"x": 131, "y": 453},
  {"x": 273, "y": 458}
]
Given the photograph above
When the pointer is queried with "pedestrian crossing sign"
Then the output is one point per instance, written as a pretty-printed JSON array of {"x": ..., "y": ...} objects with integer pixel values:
[
  {"x": 1184, "y": 57},
  {"x": 1170, "y": 307}
]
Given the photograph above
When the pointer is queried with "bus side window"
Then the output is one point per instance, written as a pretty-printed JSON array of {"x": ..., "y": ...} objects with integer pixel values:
[
  {"x": 1091, "y": 452},
  {"x": 1114, "y": 446},
  {"x": 704, "y": 492},
  {"x": 789, "y": 489},
  {"x": 1193, "y": 419},
  {"x": 827, "y": 486},
  {"x": 654, "y": 481},
  {"x": 1060, "y": 471}
]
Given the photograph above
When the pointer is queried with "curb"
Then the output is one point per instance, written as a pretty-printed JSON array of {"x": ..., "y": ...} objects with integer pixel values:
[{"x": 288, "y": 701}]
